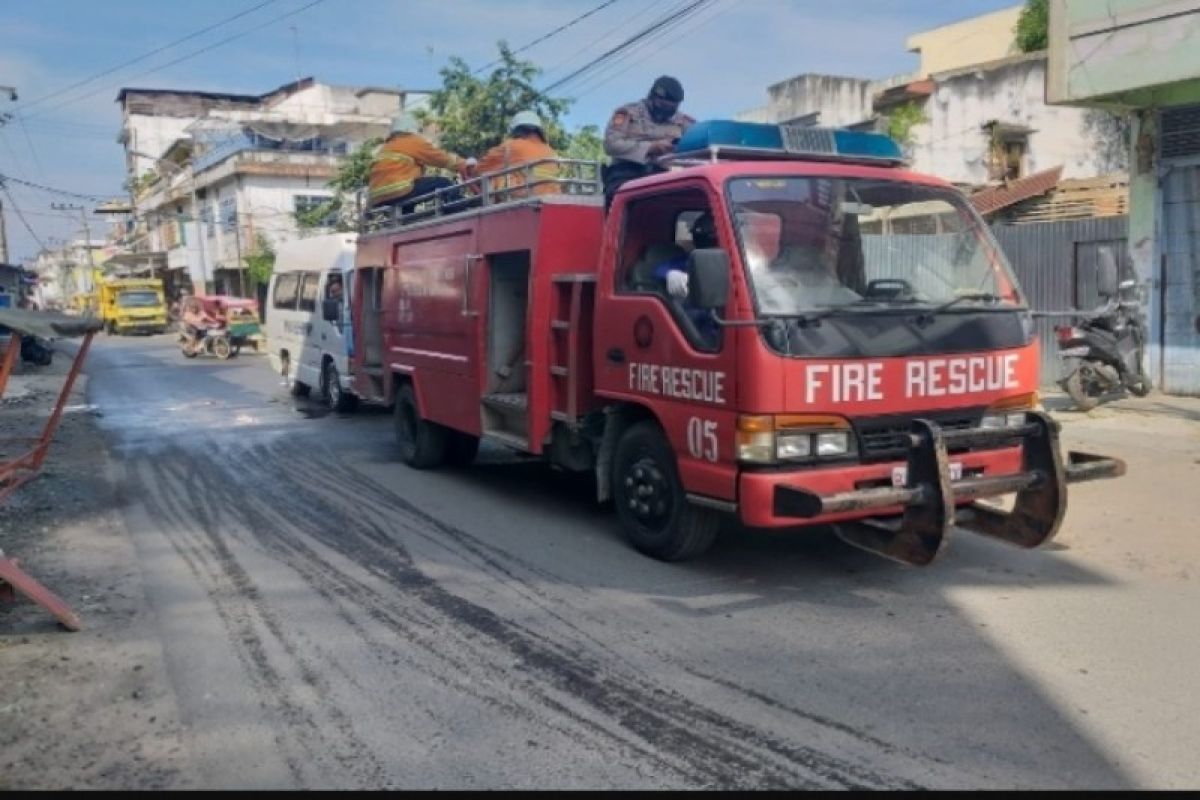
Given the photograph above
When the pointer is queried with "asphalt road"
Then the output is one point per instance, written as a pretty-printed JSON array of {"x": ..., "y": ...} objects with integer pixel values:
[{"x": 333, "y": 619}]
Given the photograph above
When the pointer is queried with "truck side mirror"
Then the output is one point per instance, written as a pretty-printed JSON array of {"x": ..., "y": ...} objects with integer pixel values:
[
  {"x": 708, "y": 285},
  {"x": 1106, "y": 274},
  {"x": 331, "y": 310}
]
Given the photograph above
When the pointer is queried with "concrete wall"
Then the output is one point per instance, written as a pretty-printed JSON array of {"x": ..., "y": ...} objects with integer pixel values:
[
  {"x": 1129, "y": 53},
  {"x": 961, "y": 44},
  {"x": 840, "y": 100},
  {"x": 151, "y": 135},
  {"x": 954, "y": 146}
]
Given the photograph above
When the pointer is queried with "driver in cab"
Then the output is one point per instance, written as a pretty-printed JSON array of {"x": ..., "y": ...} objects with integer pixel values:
[{"x": 802, "y": 275}]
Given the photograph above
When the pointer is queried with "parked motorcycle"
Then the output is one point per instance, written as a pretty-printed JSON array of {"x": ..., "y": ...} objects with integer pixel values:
[{"x": 1103, "y": 353}]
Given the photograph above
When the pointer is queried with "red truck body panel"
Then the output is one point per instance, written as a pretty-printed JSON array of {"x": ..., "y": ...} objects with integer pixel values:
[{"x": 437, "y": 314}]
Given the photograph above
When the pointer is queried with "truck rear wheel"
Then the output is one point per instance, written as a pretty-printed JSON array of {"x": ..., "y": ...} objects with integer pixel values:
[
  {"x": 654, "y": 511},
  {"x": 422, "y": 443}
]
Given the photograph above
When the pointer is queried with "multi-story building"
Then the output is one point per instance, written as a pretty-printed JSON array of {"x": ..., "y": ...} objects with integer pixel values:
[
  {"x": 974, "y": 111},
  {"x": 214, "y": 176}
]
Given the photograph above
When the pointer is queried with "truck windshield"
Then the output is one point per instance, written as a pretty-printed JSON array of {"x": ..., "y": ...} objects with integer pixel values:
[
  {"x": 837, "y": 246},
  {"x": 137, "y": 299}
]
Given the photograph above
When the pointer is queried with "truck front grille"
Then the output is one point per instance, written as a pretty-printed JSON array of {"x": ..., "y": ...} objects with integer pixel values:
[{"x": 886, "y": 438}]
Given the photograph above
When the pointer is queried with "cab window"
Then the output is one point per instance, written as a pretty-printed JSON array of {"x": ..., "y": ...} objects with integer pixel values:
[{"x": 656, "y": 241}]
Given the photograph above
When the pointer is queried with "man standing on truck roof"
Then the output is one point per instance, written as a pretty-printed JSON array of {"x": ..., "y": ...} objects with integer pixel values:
[
  {"x": 398, "y": 171},
  {"x": 526, "y": 144},
  {"x": 640, "y": 132}
]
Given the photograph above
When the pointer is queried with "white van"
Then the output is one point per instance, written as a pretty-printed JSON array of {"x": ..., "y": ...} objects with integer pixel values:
[{"x": 309, "y": 351}]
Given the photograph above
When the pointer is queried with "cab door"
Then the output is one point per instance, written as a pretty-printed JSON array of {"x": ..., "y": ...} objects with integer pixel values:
[{"x": 653, "y": 350}]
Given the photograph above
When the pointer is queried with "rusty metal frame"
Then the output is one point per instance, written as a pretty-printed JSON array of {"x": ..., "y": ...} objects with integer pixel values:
[
  {"x": 19, "y": 470},
  {"x": 933, "y": 504}
]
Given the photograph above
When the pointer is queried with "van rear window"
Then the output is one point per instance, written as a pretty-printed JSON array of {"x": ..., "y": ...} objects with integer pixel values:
[{"x": 286, "y": 286}]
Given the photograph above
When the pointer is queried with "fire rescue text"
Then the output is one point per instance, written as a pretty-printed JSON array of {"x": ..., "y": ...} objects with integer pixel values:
[
  {"x": 934, "y": 377},
  {"x": 680, "y": 383}
]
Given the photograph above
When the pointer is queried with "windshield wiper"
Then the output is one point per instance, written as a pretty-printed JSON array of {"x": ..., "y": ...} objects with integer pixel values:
[{"x": 927, "y": 317}]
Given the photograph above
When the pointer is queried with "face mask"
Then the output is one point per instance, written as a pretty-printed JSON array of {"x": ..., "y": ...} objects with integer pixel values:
[{"x": 661, "y": 111}]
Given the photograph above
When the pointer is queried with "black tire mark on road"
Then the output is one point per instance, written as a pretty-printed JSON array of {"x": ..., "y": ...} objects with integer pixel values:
[{"x": 725, "y": 753}]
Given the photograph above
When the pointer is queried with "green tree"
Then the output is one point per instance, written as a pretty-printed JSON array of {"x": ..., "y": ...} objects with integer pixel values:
[
  {"x": 260, "y": 262},
  {"x": 1033, "y": 26},
  {"x": 471, "y": 113},
  {"x": 902, "y": 120},
  {"x": 587, "y": 144}
]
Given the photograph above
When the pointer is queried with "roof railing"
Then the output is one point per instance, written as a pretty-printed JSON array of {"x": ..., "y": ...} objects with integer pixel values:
[{"x": 535, "y": 179}]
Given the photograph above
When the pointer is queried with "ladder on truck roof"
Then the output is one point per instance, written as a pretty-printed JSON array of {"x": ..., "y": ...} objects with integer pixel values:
[{"x": 567, "y": 178}]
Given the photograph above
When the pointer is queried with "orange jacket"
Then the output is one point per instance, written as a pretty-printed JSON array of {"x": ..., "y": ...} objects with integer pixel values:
[
  {"x": 400, "y": 161},
  {"x": 511, "y": 153}
]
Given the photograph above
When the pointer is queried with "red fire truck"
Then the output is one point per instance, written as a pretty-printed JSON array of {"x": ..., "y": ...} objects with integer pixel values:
[{"x": 854, "y": 351}]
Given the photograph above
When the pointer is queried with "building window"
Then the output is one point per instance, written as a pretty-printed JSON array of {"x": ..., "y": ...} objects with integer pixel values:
[
  {"x": 206, "y": 219},
  {"x": 1007, "y": 147},
  {"x": 228, "y": 215},
  {"x": 306, "y": 204}
]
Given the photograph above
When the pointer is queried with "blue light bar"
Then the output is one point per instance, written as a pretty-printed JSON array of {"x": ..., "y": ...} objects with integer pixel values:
[{"x": 746, "y": 139}]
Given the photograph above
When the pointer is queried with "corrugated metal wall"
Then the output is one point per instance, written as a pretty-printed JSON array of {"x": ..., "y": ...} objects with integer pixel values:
[
  {"x": 1179, "y": 244},
  {"x": 1050, "y": 258}
]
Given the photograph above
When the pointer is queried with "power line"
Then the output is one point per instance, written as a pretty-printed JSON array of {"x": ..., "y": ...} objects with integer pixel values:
[
  {"x": 600, "y": 40},
  {"x": 672, "y": 18},
  {"x": 699, "y": 20},
  {"x": 30, "y": 184},
  {"x": 144, "y": 56},
  {"x": 552, "y": 33},
  {"x": 195, "y": 53},
  {"x": 17, "y": 208}
]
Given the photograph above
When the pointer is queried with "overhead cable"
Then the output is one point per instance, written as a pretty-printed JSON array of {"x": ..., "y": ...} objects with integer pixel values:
[{"x": 144, "y": 56}]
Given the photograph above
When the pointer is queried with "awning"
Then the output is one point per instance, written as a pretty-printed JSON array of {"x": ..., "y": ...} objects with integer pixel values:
[{"x": 47, "y": 324}]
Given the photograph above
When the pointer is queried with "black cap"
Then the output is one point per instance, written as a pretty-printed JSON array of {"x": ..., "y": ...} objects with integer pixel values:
[{"x": 667, "y": 88}]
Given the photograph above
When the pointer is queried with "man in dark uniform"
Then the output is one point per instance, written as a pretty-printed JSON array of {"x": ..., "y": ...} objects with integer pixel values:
[{"x": 641, "y": 132}]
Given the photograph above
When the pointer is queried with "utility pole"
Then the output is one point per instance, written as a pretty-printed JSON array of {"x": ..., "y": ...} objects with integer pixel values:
[
  {"x": 3, "y": 237},
  {"x": 11, "y": 91},
  {"x": 87, "y": 242}
]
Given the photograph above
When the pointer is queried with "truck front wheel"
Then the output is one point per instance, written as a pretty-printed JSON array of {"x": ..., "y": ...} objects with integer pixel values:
[
  {"x": 422, "y": 443},
  {"x": 653, "y": 508}
]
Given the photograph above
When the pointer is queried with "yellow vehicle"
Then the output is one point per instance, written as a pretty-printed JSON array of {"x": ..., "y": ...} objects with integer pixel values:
[{"x": 133, "y": 305}]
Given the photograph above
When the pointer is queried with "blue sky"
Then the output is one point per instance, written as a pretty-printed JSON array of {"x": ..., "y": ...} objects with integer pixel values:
[{"x": 726, "y": 56}]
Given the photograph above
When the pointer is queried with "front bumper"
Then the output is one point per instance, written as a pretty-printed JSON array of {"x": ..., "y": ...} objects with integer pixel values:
[{"x": 912, "y": 523}]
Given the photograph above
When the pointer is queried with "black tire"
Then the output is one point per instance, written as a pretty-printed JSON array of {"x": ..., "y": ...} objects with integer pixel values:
[
  {"x": 331, "y": 390},
  {"x": 654, "y": 511},
  {"x": 188, "y": 351},
  {"x": 221, "y": 348},
  {"x": 461, "y": 448},
  {"x": 1080, "y": 388},
  {"x": 422, "y": 443}
]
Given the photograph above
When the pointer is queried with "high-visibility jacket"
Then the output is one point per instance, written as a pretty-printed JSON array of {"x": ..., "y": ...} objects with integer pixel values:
[
  {"x": 400, "y": 161},
  {"x": 514, "y": 152}
]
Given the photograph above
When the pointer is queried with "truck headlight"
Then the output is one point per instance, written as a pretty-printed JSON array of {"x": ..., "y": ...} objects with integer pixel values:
[
  {"x": 1009, "y": 413},
  {"x": 790, "y": 446},
  {"x": 833, "y": 444},
  {"x": 765, "y": 439},
  {"x": 756, "y": 439}
]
